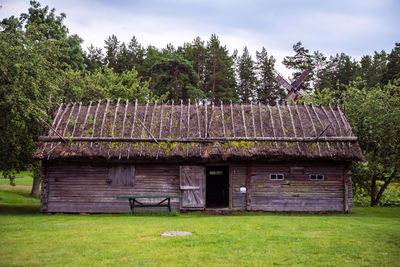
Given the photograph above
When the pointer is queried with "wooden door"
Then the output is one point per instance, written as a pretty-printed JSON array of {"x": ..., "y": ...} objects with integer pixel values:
[{"x": 192, "y": 184}]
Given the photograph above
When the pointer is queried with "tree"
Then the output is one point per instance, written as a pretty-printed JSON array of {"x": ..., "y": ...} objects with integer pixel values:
[
  {"x": 375, "y": 119},
  {"x": 301, "y": 61},
  {"x": 30, "y": 66},
  {"x": 220, "y": 74},
  {"x": 268, "y": 90},
  {"x": 247, "y": 77},
  {"x": 112, "y": 50},
  {"x": 93, "y": 58},
  {"x": 393, "y": 65},
  {"x": 174, "y": 75}
]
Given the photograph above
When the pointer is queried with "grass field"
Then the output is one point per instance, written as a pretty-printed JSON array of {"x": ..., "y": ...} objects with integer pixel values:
[
  {"x": 369, "y": 237},
  {"x": 26, "y": 179}
]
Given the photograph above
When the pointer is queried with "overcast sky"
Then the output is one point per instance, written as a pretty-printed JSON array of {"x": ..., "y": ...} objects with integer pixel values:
[{"x": 355, "y": 27}]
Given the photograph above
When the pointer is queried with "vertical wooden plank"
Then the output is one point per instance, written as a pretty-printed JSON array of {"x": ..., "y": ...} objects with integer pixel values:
[
  {"x": 211, "y": 117},
  {"x": 261, "y": 120},
  {"x": 294, "y": 127},
  {"x": 243, "y": 120},
  {"x": 280, "y": 118},
  {"x": 94, "y": 120},
  {"x": 133, "y": 126},
  {"x": 315, "y": 131},
  {"x": 123, "y": 127},
  {"x": 320, "y": 122},
  {"x": 161, "y": 125},
  {"x": 223, "y": 120},
  {"x": 104, "y": 117},
  {"x": 233, "y": 121},
  {"x": 144, "y": 123},
  {"x": 272, "y": 123},
  {"x": 252, "y": 120},
  {"x": 198, "y": 118},
  {"x": 180, "y": 120},
  {"x": 248, "y": 186},
  {"x": 188, "y": 120},
  {"x": 171, "y": 119},
  {"x": 205, "y": 119},
  {"x": 340, "y": 127}
]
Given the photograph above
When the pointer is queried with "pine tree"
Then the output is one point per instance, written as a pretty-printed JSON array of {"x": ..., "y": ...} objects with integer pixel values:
[
  {"x": 247, "y": 81},
  {"x": 220, "y": 74},
  {"x": 93, "y": 58},
  {"x": 112, "y": 50},
  {"x": 268, "y": 90}
]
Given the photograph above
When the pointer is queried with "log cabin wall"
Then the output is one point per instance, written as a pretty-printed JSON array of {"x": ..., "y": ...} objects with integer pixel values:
[
  {"x": 84, "y": 188},
  {"x": 296, "y": 192}
]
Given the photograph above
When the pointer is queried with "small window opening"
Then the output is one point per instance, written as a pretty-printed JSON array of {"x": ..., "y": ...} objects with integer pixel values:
[
  {"x": 316, "y": 177},
  {"x": 276, "y": 176},
  {"x": 215, "y": 172}
]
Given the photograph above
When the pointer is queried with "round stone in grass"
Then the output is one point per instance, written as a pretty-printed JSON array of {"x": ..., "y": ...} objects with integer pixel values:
[{"x": 175, "y": 233}]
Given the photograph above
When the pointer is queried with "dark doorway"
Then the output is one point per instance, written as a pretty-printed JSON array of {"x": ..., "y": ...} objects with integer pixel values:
[{"x": 217, "y": 187}]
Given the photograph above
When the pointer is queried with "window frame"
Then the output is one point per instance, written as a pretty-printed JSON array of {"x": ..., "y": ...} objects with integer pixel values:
[
  {"x": 277, "y": 175},
  {"x": 316, "y": 177}
]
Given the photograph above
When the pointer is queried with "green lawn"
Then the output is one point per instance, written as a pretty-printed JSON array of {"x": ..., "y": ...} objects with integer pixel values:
[
  {"x": 26, "y": 179},
  {"x": 369, "y": 237}
]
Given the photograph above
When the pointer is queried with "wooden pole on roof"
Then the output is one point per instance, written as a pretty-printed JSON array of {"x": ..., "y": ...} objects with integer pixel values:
[
  {"x": 233, "y": 122},
  {"x": 339, "y": 126},
  {"x": 205, "y": 119},
  {"x": 261, "y": 120},
  {"x": 211, "y": 117},
  {"x": 123, "y": 127},
  {"x": 346, "y": 125},
  {"x": 52, "y": 125},
  {"x": 94, "y": 120},
  {"x": 252, "y": 120},
  {"x": 320, "y": 122},
  {"x": 331, "y": 120},
  {"x": 133, "y": 126},
  {"x": 85, "y": 120},
  {"x": 171, "y": 118},
  {"x": 244, "y": 125},
  {"x": 294, "y": 127},
  {"x": 180, "y": 120},
  {"x": 104, "y": 117},
  {"x": 161, "y": 125},
  {"x": 223, "y": 119},
  {"x": 76, "y": 119},
  {"x": 272, "y": 124},
  {"x": 64, "y": 132},
  {"x": 198, "y": 123},
  {"x": 188, "y": 119},
  {"x": 281, "y": 120},
  {"x": 301, "y": 123},
  {"x": 315, "y": 131},
  {"x": 149, "y": 131},
  {"x": 143, "y": 125},
  {"x": 113, "y": 126}
]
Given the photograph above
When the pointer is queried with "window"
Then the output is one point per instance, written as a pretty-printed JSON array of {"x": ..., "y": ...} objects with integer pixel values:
[
  {"x": 316, "y": 177},
  {"x": 276, "y": 176},
  {"x": 215, "y": 173}
]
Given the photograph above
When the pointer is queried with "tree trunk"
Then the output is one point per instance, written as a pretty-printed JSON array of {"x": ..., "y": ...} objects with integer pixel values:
[
  {"x": 383, "y": 188},
  {"x": 373, "y": 191},
  {"x": 37, "y": 177}
]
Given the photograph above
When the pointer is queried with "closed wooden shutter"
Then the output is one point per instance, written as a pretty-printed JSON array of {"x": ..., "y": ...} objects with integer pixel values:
[{"x": 121, "y": 175}]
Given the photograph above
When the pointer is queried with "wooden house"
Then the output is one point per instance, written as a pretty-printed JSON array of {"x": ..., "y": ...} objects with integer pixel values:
[{"x": 289, "y": 157}]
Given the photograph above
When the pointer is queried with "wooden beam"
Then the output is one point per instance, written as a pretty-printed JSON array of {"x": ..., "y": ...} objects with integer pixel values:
[
  {"x": 340, "y": 127},
  {"x": 188, "y": 119},
  {"x": 331, "y": 121},
  {"x": 94, "y": 119},
  {"x": 201, "y": 140},
  {"x": 171, "y": 119},
  {"x": 211, "y": 117},
  {"x": 198, "y": 118},
  {"x": 293, "y": 125},
  {"x": 113, "y": 127},
  {"x": 243, "y": 120},
  {"x": 272, "y": 124},
  {"x": 233, "y": 121},
  {"x": 301, "y": 123},
  {"x": 322, "y": 126},
  {"x": 315, "y": 131},
  {"x": 76, "y": 118},
  {"x": 123, "y": 127},
  {"x": 223, "y": 120},
  {"x": 205, "y": 119},
  {"x": 51, "y": 128},
  {"x": 252, "y": 120},
  {"x": 248, "y": 186},
  {"x": 104, "y": 117},
  {"x": 143, "y": 123},
  {"x": 133, "y": 126},
  {"x": 161, "y": 125},
  {"x": 261, "y": 120},
  {"x": 345, "y": 123},
  {"x": 85, "y": 120},
  {"x": 281, "y": 120},
  {"x": 67, "y": 121},
  {"x": 180, "y": 120}
]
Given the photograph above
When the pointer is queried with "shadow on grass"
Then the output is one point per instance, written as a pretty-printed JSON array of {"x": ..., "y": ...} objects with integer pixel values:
[{"x": 7, "y": 209}]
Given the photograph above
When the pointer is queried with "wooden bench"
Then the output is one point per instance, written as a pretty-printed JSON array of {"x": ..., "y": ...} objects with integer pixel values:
[{"x": 134, "y": 203}]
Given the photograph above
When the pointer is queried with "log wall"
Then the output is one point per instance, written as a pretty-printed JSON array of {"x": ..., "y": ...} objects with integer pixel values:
[
  {"x": 87, "y": 188},
  {"x": 91, "y": 188}
]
